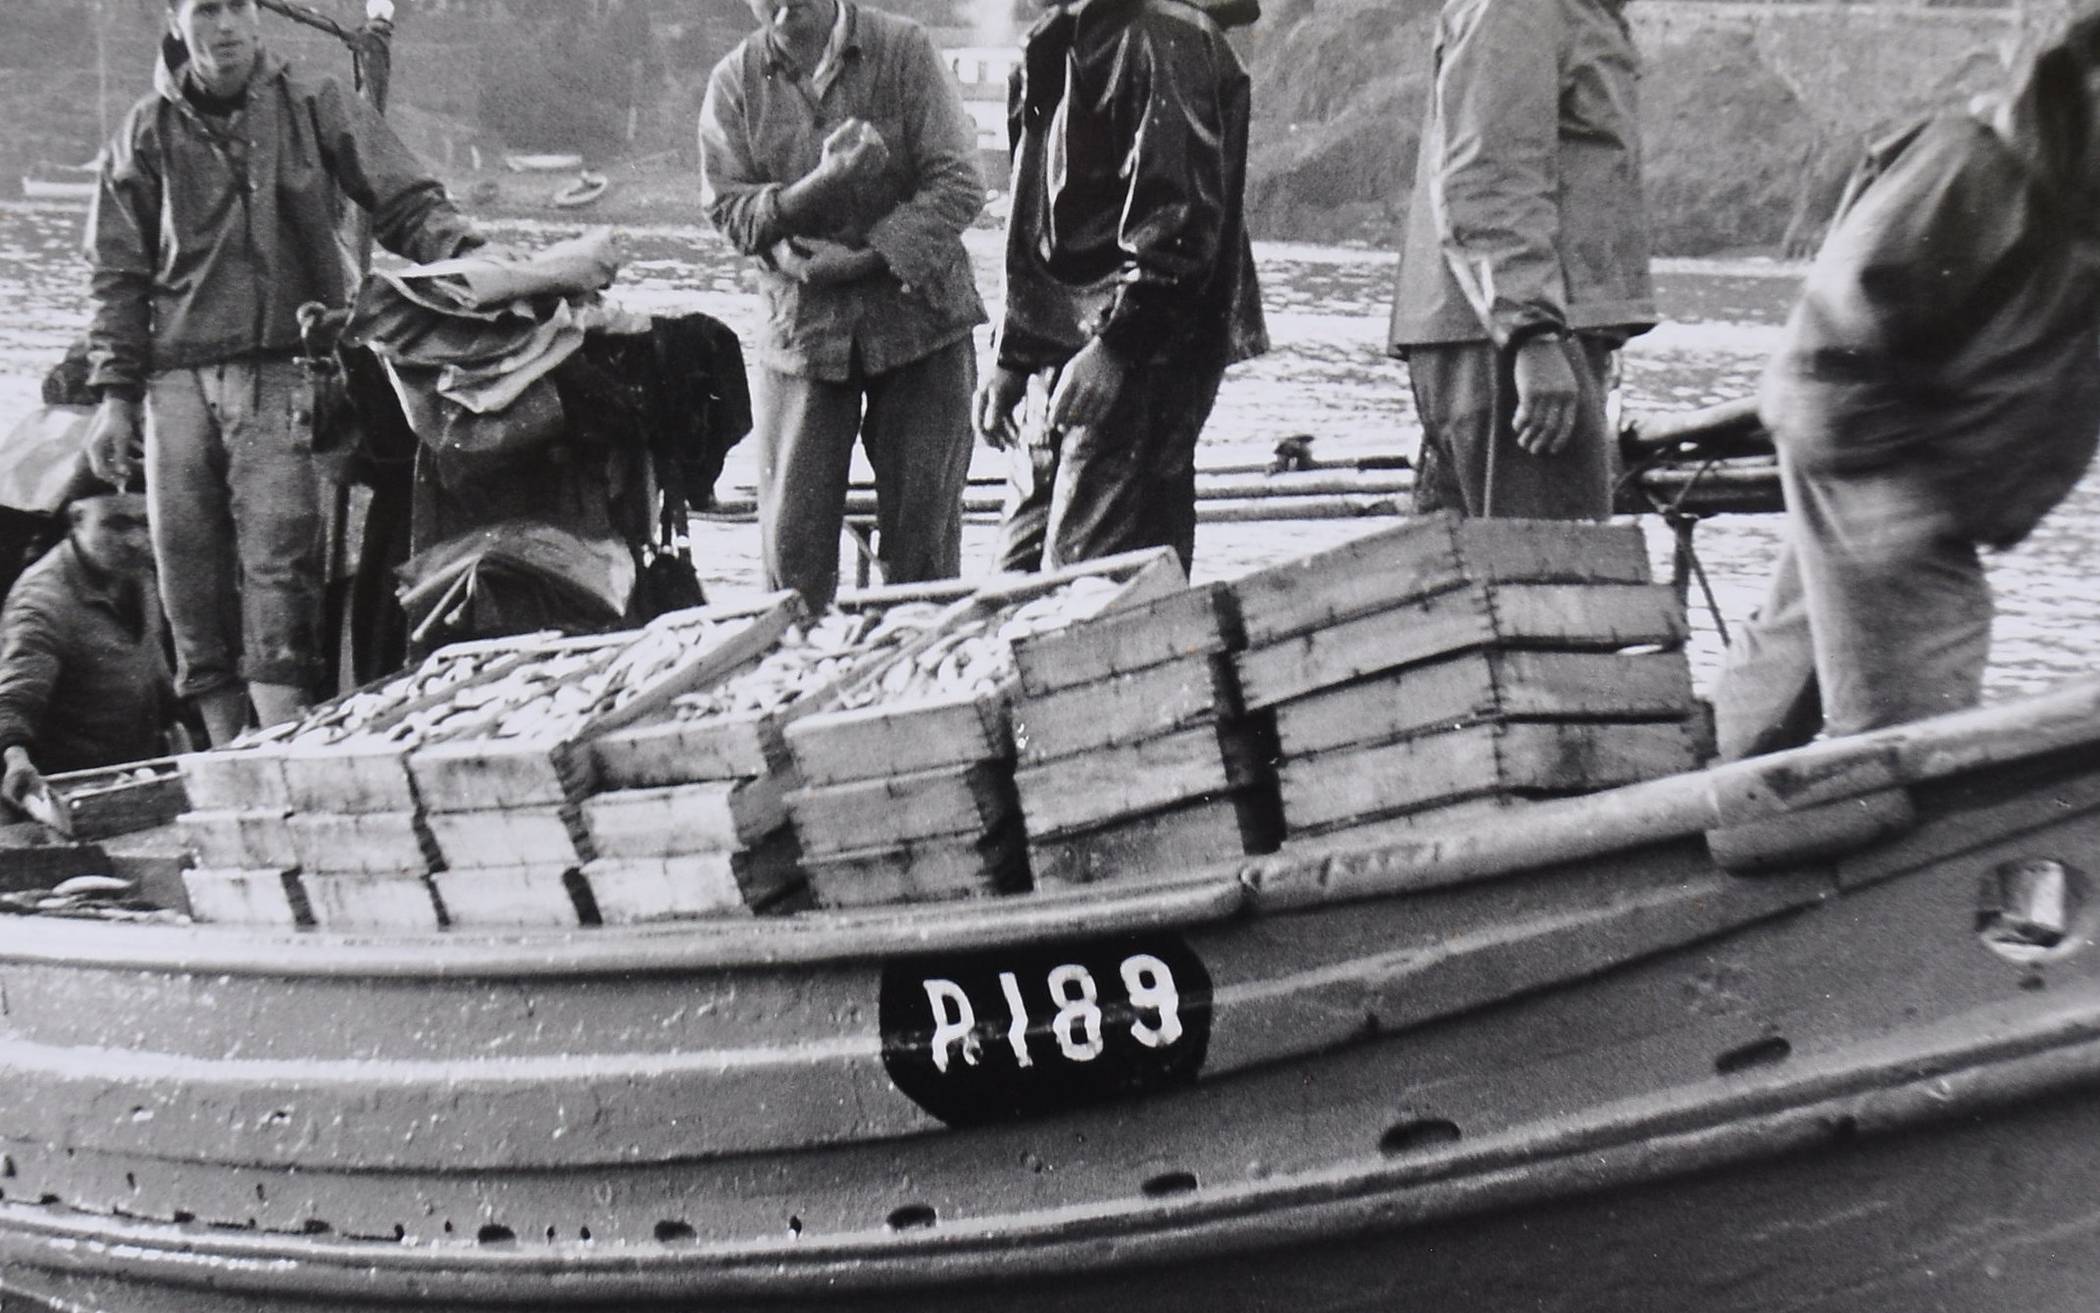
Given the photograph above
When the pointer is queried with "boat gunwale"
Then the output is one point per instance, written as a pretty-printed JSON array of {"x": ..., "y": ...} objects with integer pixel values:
[
  {"x": 1696, "y": 1131},
  {"x": 1541, "y": 834}
]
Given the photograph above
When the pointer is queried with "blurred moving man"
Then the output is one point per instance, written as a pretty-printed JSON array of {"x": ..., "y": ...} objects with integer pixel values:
[
  {"x": 1130, "y": 281},
  {"x": 1525, "y": 263},
  {"x": 215, "y": 220},
  {"x": 835, "y": 148},
  {"x": 83, "y": 679}
]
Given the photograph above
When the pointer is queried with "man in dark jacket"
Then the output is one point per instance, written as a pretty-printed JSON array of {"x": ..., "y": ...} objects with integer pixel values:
[
  {"x": 1936, "y": 390},
  {"x": 835, "y": 147},
  {"x": 1129, "y": 279},
  {"x": 1525, "y": 263},
  {"x": 216, "y": 218},
  {"x": 83, "y": 682}
]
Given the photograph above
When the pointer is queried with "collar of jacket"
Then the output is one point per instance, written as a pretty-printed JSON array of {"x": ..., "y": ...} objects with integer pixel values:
[
  {"x": 1046, "y": 50},
  {"x": 776, "y": 61},
  {"x": 97, "y": 587},
  {"x": 175, "y": 59}
]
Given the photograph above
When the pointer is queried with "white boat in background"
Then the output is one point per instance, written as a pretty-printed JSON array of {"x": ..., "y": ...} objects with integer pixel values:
[
  {"x": 543, "y": 163},
  {"x": 586, "y": 190},
  {"x": 60, "y": 182}
]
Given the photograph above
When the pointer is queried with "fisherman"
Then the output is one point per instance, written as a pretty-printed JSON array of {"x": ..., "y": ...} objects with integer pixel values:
[
  {"x": 836, "y": 149},
  {"x": 83, "y": 677},
  {"x": 1525, "y": 262},
  {"x": 215, "y": 219},
  {"x": 1130, "y": 282},
  {"x": 1934, "y": 391}
]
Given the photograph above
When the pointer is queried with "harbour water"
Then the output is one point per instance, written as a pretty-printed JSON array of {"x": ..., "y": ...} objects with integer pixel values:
[{"x": 1328, "y": 377}]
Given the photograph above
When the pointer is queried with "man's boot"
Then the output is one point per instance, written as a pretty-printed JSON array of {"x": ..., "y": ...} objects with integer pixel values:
[
  {"x": 277, "y": 703},
  {"x": 225, "y": 712}
]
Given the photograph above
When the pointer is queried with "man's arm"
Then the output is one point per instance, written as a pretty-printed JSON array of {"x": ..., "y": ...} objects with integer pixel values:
[
  {"x": 916, "y": 238},
  {"x": 411, "y": 214},
  {"x": 1497, "y": 164},
  {"x": 752, "y": 209},
  {"x": 123, "y": 250},
  {"x": 29, "y": 669}
]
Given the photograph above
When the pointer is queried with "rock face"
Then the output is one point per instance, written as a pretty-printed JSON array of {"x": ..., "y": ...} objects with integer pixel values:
[{"x": 1753, "y": 112}]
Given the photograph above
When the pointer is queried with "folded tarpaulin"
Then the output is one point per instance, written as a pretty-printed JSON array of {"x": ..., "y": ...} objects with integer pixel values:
[
  {"x": 485, "y": 285},
  {"x": 515, "y": 577},
  {"x": 40, "y": 460}
]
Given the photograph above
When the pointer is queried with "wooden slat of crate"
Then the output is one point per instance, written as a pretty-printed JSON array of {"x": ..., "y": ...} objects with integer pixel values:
[
  {"x": 902, "y": 809},
  {"x": 234, "y": 779},
  {"x": 1583, "y": 616},
  {"x": 689, "y": 751},
  {"x": 1190, "y": 623},
  {"x": 118, "y": 800},
  {"x": 933, "y": 870},
  {"x": 716, "y": 816},
  {"x": 836, "y": 747},
  {"x": 1351, "y": 784},
  {"x": 362, "y": 843},
  {"x": 537, "y": 894},
  {"x": 1426, "y": 556},
  {"x": 464, "y": 775},
  {"x": 245, "y": 897},
  {"x": 371, "y": 902},
  {"x": 1083, "y": 791},
  {"x": 239, "y": 840},
  {"x": 350, "y": 778},
  {"x": 1482, "y": 685},
  {"x": 510, "y": 836},
  {"x": 1161, "y": 843},
  {"x": 1124, "y": 708}
]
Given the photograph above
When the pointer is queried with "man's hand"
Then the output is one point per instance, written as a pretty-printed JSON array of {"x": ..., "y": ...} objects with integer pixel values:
[
  {"x": 1548, "y": 396},
  {"x": 22, "y": 780},
  {"x": 820, "y": 263},
  {"x": 854, "y": 152},
  {"x": 113, "y": 440},
  {"x": 997, "y": 397},
  {"x": 1089, "y": 386}
]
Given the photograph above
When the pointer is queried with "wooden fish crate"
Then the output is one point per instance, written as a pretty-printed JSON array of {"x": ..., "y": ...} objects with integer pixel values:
[
  {"x": 475, "y": 771},
  {"x": 627, "y": 890},
  {"x": 498, "y": 837},
  {"x": 373, "y": 843},
  {"x": 1427, "y": 555},
  {"x": 364, "y": 902},
  {"x": 932, "y": 870},
  {"x": 1580, "y": 617},
  {"x": 540, "y": 894},
  {"x": 234, "y": 778},
  {"x": 712, "y": 816},
  {"x": 240, "y": 840},
  {"x": 1170, "y": 841},
  {"x": 1122, "y": 780},
  {"x": 1141, "y": 636},
  {"x": 96, "y": 804},
  {"x": 899, "y": 730},
  {"x": 902, "y": 810},
  {"x": 677, "y": 744},
  {"x": 1525, "y": 758},
  {"x": 268, "y": 896},
  {"x": 1483, "y": 685}
]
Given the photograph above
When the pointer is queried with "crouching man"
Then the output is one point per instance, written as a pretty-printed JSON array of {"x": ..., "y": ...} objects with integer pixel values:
[{"x": 83, "y": 679}]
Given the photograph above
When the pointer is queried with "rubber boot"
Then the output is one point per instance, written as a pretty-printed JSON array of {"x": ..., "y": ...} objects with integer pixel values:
[
  {"x": 277, "y": 703},
  {"x": 225, "y": 712}
]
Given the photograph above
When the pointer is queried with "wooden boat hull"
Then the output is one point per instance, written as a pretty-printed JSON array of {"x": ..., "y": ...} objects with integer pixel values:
[{"x": 1420, "y": 1079}]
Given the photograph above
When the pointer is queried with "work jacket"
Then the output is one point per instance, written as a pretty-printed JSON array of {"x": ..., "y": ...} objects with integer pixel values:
[
  {"x": 83, "y": 680},
  {"x": 1950, "y": 325},
  {"x": 1128, "y": 123},
  {"x": 763, "y": 127},
  {"x": 207, "y": 235},
  {"x": 1527, "y": 211}
]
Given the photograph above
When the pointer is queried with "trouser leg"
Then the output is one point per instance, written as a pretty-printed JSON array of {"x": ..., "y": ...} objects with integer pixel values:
[
  {"x": 1031, "y": 477},
  {"x": 1129, "y": 481},
  {"x": 1898, "y": 604},
  {"x": 918, "y": 436},
  {"x": 1767, "y": 699},
  {"x": 190, "y": 516},
  {"x": 274, "y": 494},
  {"x": 1456, "y": 395},
  {"x": 804, "y": 428}
]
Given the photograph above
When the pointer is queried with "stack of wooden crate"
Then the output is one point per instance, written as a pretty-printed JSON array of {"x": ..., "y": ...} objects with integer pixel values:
[
  {"x": 1135, "y": 756},
  {"x": 908, "y": 791},
  {"x": 1448, "y": 666},
  {"x": 691, "y": 817}
]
